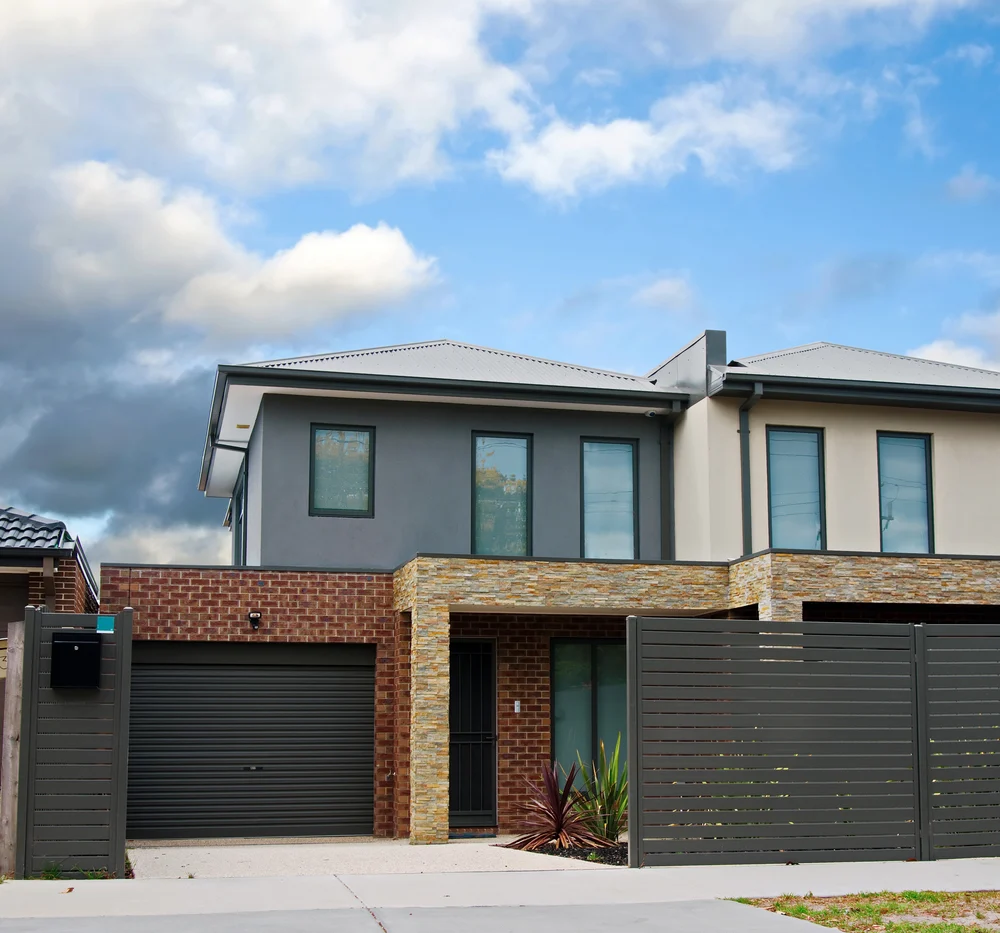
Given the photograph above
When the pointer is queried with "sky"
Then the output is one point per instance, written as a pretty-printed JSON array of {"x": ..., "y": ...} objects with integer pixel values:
[{"x": 184, "y": 184}]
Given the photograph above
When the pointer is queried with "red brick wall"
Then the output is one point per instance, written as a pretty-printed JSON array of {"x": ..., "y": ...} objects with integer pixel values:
[
  {"x": 72, "y": 592},
  {"x": 523, "y": 673},
  {"x": 211, "y": 605}
]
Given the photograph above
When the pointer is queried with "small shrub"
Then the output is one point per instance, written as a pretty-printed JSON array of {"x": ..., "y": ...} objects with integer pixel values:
[
  {"x": 603, "y": 803},
  {"x": 552, "y": 818}
]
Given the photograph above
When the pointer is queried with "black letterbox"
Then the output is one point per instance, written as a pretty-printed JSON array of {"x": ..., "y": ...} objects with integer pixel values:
[{"x": 76, "y": 659}]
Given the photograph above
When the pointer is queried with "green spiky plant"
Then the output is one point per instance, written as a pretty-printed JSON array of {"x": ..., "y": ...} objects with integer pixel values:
[
  {"x": 552, "y": 817},
  {"x": 603, "y": 802}
]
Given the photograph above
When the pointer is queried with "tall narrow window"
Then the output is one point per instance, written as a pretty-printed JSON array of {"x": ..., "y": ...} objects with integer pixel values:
[
  {"x": 795, "y": 488},
  {"x": 501, "y": 508},
  {"x": 904, "y": 492},
  {"x": 342, "y": 471},
  {"x": 589, "y": 700},
  {"x": 238, "y": 519},
  {"x": 610, "y": 519}
]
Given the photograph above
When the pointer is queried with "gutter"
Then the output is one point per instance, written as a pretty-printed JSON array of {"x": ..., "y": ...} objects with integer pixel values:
[
  {"x": 845, "y": 391},
  {"x": 753, "y": 399}
]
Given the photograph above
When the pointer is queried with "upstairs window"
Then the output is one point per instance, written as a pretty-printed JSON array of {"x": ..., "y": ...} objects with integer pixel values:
[
  {"x": 904, "y": 492},
  {"x": 501, "y": 507},
  {"x": 610, "y": 500},
  {"x": 795, "y": 488},
  {"x": 342, "y": 471}
]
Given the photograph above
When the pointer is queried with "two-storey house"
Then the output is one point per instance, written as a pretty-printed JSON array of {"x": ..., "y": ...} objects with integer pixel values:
[{"x": 435, "y": 547}]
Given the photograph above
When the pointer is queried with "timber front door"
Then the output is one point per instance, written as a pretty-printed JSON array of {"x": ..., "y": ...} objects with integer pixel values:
[{"x": 473, "y": 735}]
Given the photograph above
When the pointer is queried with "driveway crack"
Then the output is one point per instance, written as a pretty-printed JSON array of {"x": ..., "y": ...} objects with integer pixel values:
[{"x": 356, "y": 897}]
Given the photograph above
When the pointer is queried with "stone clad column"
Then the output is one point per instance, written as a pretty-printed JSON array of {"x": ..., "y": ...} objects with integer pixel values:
[{"x": 430, "y": 682}]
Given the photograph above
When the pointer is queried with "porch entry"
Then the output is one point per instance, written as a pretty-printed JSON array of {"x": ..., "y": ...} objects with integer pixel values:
[{"x": 473, "y": 718}]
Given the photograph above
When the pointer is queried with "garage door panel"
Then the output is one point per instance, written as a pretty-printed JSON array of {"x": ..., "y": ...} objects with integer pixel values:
[{"x": 244, "y": 749}]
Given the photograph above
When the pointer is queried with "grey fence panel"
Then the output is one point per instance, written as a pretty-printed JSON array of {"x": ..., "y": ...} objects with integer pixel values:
[
  {"x": 74, "y": 757},
  {"x": 755, "y": 742},
  {"x": 961, "y": 673}
]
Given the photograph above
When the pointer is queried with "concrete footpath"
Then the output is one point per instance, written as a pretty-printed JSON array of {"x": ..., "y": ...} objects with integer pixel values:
[{"x": 612, "y": 893}]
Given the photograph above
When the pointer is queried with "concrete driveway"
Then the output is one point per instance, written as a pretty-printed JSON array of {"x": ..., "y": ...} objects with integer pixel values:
[{"x": 682, "y": 917}]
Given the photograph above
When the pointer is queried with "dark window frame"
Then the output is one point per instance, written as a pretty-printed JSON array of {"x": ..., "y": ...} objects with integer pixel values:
[
  {"x": 238, "y": 517},
  {"x": 593, "y": 643},
  {"x": 634, "y": 443},
  {"x": 928, "y": 464},
  {"x": 530, "y": 502},
  {"x": 821, "y": 432},
  {"x": 341, "y": 513}
]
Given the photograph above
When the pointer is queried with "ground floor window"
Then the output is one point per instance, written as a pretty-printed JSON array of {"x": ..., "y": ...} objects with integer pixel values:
[{"x": 588, "y": 698}]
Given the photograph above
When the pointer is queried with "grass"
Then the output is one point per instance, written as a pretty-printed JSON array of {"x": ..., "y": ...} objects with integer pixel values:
[{"x": 906, "y": 912}]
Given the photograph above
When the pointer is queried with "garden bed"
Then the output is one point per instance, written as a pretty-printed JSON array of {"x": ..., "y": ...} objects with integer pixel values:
[{"x": 608, "y": 855}]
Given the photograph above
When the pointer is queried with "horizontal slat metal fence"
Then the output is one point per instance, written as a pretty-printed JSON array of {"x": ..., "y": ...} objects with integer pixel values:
[
  {"x": 755, "y": 742},
  {"x": 961, "y": 664}
]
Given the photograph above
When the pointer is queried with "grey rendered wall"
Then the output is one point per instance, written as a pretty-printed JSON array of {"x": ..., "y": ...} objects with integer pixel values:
[
  {"x": 423, "y": 480},
  {"x": 74, "y": 755},
  {"x": 254, "y": 461}
]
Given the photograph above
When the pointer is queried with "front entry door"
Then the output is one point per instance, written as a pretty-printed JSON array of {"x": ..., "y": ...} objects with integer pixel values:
[{"x": 473, "y": 735}]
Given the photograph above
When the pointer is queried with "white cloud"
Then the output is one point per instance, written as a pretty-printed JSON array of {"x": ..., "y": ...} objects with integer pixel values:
[
  {"x": 711, "y": 123},
  {"x": 324, "y": 277},
  {"x": 598, "y": 77},
  {"x": 671, "y": 293},
  {"x": 152, "y": 544},
  {"x": 972, "y": 185},
  {"x": 126, "y": 240},
  {"x": 262, "y": 91},
  {"x": 948, "y": 351},
  {"x": 976, "y": 54}
]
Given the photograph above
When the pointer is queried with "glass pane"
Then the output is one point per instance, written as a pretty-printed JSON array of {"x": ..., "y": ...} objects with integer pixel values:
[
  {"x": 903, "y": 499},
  {"x": 611, "y": 699},
  {"x": 572, "y": 724},
  {"x": 608, "y": 501},
  {"x": 793, "y": 460},
  {"x": 501, "y": 525},
  {"x": 340, "y": 473}
]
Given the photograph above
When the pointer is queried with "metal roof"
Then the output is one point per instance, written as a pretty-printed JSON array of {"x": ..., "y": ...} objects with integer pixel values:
[
  {"x": 838, "y": 362},
  {"x": 25, "y": 530},
  {"x": 449, "y": 359}
]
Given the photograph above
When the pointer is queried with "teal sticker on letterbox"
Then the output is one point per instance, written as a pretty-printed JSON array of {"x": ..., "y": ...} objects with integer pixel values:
[{"x": 105, "y": 623}]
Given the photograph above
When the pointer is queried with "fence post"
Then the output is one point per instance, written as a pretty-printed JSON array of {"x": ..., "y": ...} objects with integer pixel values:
[
  {"x": 11, "y": 748},
  {"x": 921, "y": 758},
  {"x": 633, "y": 650}
]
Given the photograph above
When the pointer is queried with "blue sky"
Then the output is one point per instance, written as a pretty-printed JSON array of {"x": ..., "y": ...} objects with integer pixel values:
[{"x": 591, "y": 182}]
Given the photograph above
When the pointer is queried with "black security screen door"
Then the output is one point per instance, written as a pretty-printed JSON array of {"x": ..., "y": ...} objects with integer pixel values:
[{"x": 473, "y": 735}]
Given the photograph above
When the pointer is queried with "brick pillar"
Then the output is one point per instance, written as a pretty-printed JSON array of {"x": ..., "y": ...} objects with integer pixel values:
[{"x": 429, "y": 693}]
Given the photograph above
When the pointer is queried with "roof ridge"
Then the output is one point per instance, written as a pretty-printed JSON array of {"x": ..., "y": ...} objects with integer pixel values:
[
  {"x": 843, "y": 346},
  {"x": 33, "y": 517},
  {"x": 425, "y": 344}
]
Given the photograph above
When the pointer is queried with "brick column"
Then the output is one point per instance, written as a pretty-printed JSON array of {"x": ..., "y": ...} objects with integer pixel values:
[{"x": 429, "y": 696}]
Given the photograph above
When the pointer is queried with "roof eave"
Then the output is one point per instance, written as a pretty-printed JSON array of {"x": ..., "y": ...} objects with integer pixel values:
[{"x": 851, "y": 391}]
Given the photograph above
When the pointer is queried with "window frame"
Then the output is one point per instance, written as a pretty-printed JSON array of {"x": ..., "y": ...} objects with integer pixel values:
[
  {"x": 238, "y": 517},
  {"x": 633, "y": 442},
  {"x": 341, "y": 513},
  {"x": 593, "y": 643},
  {"x": 530, "y": 501},
  {"x": 928, "y": 467},
  {"x": 798, "y": 429}
]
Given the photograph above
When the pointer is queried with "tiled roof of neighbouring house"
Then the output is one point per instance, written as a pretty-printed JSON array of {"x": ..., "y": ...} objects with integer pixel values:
[
  {"x": 24, "y": 530},
  {"x": 449, "y": 359},
  {"x": 835, "y": 361}
]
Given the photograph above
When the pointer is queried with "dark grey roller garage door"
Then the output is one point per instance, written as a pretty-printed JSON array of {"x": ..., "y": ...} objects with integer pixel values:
[{"x": 251, "y": 740}]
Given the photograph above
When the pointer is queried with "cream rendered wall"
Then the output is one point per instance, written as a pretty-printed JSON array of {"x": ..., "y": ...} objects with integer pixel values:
[
  {"x": 965, "y": 453},
  {"x": 707, "y": 481}
]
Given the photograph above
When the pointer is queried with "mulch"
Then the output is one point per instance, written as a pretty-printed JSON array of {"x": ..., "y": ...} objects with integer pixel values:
[{"x": 609, "y": 855}]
